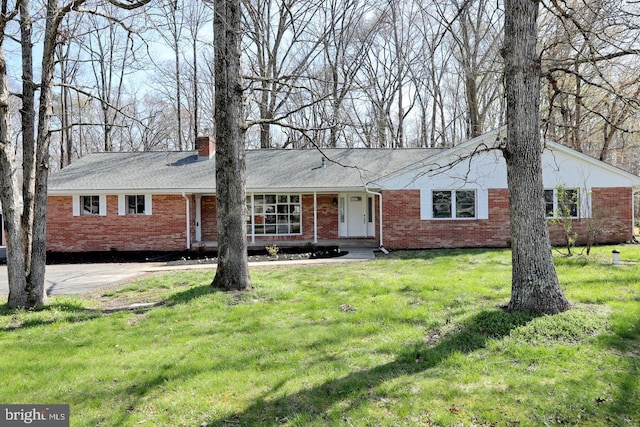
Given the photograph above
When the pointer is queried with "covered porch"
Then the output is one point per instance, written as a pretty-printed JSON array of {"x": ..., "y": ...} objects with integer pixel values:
[{"x": 293, "y": 219}]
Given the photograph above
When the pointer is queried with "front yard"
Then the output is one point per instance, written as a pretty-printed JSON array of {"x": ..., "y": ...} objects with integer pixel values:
[{"x": 415, "y": 339}]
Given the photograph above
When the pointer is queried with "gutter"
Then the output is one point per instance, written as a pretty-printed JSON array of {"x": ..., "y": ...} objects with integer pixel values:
[
  {"x": 381, "y": 246},
  {"x": 188, "y": 221}
]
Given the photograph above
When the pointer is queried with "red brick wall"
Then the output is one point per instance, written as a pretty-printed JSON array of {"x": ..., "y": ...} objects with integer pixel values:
[
  {"x": 611, "y": 218},
  {"x": 208, "y": 218},
  {"x": 165, "y": 230},
  {"x": 403, "y": 228}
]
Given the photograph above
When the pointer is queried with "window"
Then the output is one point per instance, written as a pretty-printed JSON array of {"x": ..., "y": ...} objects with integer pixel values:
[
  {"x": 90, "y": 205},
  {"x": 138, "y": 204},
  {"x": 562, "y": 202},
  {"x": 135, "y": 205},
  {"x": 454, "y": 204},
  {"x": 274, "y": 214}
]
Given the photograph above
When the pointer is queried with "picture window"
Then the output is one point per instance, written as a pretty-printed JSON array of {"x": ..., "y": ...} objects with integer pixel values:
[{"x": 274, "y": 214}]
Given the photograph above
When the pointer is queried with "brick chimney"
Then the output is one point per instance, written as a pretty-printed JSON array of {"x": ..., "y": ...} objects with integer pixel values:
[{"x": 206, "y": 147}]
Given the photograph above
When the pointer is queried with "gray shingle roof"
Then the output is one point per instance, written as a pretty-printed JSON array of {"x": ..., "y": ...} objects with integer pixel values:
[{"x": 171, "y": 172}]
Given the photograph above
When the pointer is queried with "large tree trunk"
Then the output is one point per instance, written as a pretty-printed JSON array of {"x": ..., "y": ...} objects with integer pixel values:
[
  {"x": 9, "y": 191},
  {"x": 534, "y": 283},
  {"x": 28, "y": 116},
  {"x": 26, "y": 233},
  {"x": 233, "y": 267},
  {"x": 36, "y": 291}
]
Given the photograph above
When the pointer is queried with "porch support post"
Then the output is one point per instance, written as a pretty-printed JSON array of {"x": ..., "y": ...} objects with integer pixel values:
[
  {"x": 188, "y": 215},
  {"x": 315, "y": 217},
  {"x": 198, "y": 218},
  {"x": 376, "y": 193},
  {"x": 253, "y": 219}
]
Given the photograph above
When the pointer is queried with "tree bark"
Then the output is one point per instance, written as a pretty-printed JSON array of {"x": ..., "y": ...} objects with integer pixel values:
[
  {"x": 534, "y": 283},
  {"x": 28, "y": 115},
  {"x": 9, "y": 191},
  {"x": 233, "y": 266}
]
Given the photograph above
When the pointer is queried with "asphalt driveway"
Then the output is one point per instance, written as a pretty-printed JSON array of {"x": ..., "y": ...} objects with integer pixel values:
[
  {"x": 65, "y": 279},
  {"x": 79, "y": 278}
]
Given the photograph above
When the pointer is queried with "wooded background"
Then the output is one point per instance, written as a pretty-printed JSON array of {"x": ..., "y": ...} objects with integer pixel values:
[{"x": 337, "y": 73}]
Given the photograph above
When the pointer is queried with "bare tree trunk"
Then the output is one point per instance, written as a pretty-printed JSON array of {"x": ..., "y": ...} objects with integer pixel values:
[
  {"x": 9, "y": 191},
  {"x": 28, "y": 115},
  {"x": 35, "y": 288},
  {"x": 534, "y": 283},
  {"x": 178, "y": 92},
  {"x": 196, "y": 96},
  {"x": 26, "y": 273},
  {"x": 233, "y": 266}
]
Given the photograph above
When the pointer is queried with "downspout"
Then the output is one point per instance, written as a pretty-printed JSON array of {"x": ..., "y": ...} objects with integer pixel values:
[
  {"x": 188, "y": 221},
  {"x": 379, "y": 217}
]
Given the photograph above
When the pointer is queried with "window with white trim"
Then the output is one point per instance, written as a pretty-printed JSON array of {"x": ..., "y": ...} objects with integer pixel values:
[
  {"x": 90, "y": 205},
  {"x": 562, "y": 202},
  {"x": 136, "y": 204},
  {"x": 453, "y": 204},
  {"x": 274, "y": 214}
]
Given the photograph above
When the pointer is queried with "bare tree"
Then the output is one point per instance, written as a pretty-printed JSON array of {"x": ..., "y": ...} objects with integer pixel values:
[
  {"x": 280, "y": 47},
  {"x": 429, "y": 75},
  {"x": 591, "y": 98},
  {"x": 170, "y": 25},
  {"x": 344, "y": 50},
  {"x": 110, "y": 49},
  {"x": 197, "y": 14},
  {"x": 477, "y": 36},
  {"x": 534, "y": 282},
  {"x": 27, "y": 251},
  {"x": 68, "y": 69}
]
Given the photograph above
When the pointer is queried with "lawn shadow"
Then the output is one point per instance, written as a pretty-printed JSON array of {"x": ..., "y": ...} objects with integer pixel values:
[
  {"x": 190, "y": 294},
  {"x": 71, "y": 313},
  {"x": 356, "y": 389}
]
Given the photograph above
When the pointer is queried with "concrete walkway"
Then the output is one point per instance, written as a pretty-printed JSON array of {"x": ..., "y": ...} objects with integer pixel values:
[{"x": 65, "y": 279}]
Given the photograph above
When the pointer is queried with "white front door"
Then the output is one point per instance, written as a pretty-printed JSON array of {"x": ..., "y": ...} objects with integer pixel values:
[{"x": 356, "y": 215}]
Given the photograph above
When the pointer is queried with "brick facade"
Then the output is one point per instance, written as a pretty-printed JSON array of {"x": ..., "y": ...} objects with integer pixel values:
[
  {"x": 165, "y": 229},
  {"x": 209, "y": 223},
  {"x": 611, "y": 219},
  {"x": 403, "y": 228}
]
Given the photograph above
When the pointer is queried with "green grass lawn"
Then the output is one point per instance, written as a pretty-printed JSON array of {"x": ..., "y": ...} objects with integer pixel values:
[{"x": 412, "y": 339}]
